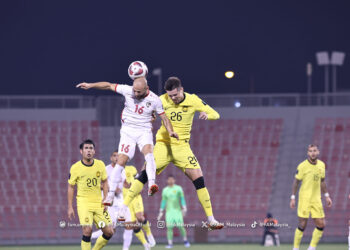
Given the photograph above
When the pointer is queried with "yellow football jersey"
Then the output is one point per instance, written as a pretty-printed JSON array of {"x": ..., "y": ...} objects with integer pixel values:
[
  {"x": 88, "y": 180},
  {"x": 181, "y": 116},
  {"x": 310, "y": 175}
]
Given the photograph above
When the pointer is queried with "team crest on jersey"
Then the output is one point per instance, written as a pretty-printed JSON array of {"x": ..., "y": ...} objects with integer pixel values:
[
  {"x": 148, "y": 104},
  {"x": 98, "y": 174},
  {"x": 184, "y": 108}
]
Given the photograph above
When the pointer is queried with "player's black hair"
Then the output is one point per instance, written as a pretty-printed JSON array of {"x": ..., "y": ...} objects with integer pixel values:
[
  {"x": 115, "y": 151},
  {"x": 171, "y": 176},
  {"x": 87, "y": 141},
  {"x": 172, "y": 83},
  {"x": 312, "y": 146}
]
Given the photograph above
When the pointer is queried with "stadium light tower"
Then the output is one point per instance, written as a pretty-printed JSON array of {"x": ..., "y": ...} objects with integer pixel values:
[
  {"x": 158, "y": 72},
  {"x": 337, "y": 59},
  {"x": 323, "y": 60}
]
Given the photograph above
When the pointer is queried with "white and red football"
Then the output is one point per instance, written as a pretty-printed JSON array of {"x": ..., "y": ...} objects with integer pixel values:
[{"x": 137, "y": 69}]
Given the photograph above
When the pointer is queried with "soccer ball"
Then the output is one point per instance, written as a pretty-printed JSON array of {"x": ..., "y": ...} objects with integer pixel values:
[{"x": 137, "y": 69}]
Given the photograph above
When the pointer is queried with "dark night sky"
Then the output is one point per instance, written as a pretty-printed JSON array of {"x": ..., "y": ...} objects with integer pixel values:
[{"x": 48, "y": 46}]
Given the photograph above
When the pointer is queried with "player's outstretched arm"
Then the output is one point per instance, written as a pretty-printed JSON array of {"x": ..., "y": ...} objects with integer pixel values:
[
  {"x": 168, "y": 126},
  {"x": 206, "y": 112},
  {"x": 70, "y": 195},
  {"x": 326, "y": 194},
  {"x": 97, "y": 85},
  {"x": 295, "y": 186}
]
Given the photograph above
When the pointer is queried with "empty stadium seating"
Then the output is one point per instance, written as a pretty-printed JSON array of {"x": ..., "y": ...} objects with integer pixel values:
[{"x": 34, "y": 167}]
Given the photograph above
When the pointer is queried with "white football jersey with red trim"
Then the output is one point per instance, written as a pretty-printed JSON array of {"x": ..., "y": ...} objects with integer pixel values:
[{"x": 138, "y": 113}]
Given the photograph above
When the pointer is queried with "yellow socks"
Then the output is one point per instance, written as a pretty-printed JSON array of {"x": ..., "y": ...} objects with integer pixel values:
[
  {"x": 101, "y": 242},
  {"x": 204, "y": 199},
  {"x": 297, "y": 237},
  {"x": 135, "y": 189},
  {"x": 316, "y": 236},
  {"x": 146, "y": 228},
  {"x": 140, "y": 235},
  {"x": 86, "y": 243}
]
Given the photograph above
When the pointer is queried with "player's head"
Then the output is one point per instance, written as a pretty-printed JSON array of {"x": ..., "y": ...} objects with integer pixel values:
[
  {"x": 174, "y": 89},
  {"x": 114, "y": 157},
  {"x": 140, "y": 88},
  {"x": 171, "y": 180},
  {"x": 87, "y": 149},
  {"x": 313, "y": 152}
]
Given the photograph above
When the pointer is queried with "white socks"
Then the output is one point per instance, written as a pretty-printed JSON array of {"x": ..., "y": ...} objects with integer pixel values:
[
  {"x": 211, "y": 219},
  {"x": 127, "y": 238},
  {"x": 116, "y": 176},
  {"x": 150, "y": 169},
  {"x": 96, "y": 234}
]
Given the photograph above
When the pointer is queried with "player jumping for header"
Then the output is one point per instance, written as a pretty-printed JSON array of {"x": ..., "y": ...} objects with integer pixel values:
[
  {"x": 180, "y": 107},
  {"x": 140, "y": 103}
]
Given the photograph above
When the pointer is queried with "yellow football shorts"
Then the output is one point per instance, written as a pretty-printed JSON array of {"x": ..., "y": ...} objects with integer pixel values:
[
  {"x": 305, "y": 208},
  {"x": 89, "y": 213},
  {"x": 136, "y": 206},
  {"x": 180, "y": 155}
]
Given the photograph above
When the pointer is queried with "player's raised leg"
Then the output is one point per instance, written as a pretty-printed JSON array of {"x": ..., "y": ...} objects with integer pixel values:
[
  {"x": 197, "y": 178},
  {"x": 147, "y": 151},
  {"x": 115, "y": 178},
  {"x": 126, "y": 151}
]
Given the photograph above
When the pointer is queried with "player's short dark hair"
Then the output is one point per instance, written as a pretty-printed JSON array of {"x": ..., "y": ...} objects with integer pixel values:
[
  {"x": 172, "y": 83},
  {"x": 87, "y": 141},
  {"x": 115, "y": 151},
  {"x": 312, "y": 146},
  {"x": 171, "y": 176}
]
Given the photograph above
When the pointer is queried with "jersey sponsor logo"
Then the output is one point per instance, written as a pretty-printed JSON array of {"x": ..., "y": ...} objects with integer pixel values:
[
  {"x": 98, "y": 174},
  {"x": 184, "y": 108}
]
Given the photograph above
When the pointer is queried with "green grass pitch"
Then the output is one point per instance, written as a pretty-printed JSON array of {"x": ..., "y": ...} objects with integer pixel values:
[{"x": 193, "y": 247}]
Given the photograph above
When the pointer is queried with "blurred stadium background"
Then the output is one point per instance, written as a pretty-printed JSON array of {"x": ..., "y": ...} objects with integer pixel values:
[{"x": 278, "y": 101}]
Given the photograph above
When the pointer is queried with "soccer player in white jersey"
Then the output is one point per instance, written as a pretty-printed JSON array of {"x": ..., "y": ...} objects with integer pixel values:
[
  {"x": 140, "y": 103},
  {"x": 113, "y": 210}
]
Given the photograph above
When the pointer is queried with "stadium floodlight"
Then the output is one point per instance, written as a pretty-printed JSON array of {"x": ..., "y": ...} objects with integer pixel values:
[
  {"x": 337, "y": 59},
  {"x": 158, "y": 72},
  {"x": 229, "y": 74},
  {"x": 322, "y": 58}
]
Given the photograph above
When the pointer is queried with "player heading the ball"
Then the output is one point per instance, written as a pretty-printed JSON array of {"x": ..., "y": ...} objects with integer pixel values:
[{"x": 140, "y": 104}]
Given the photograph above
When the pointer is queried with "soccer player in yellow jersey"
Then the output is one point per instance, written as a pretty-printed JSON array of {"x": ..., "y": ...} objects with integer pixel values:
[
  {"x": 87, "y": 175},
  {"x": 311, "y": 174},
  {"x": 137, "y": 219},
  {"x": 180, "y": 107}
]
